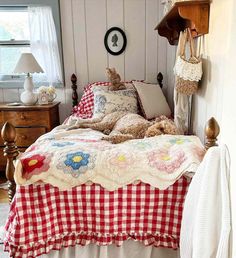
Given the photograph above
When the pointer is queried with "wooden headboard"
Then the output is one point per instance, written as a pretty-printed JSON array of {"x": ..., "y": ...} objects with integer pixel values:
[{"x": 74, "y": 87}]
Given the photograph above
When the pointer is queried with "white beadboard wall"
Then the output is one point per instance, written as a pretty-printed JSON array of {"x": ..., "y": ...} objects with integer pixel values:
[{"x": 84, "y": 24}]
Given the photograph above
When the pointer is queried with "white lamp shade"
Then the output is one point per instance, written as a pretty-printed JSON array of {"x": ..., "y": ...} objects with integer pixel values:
[{"x": 27, "y": 64}]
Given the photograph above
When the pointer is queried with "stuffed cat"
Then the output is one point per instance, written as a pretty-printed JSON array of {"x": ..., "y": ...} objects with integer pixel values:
[{"x": 115, "y": 80}]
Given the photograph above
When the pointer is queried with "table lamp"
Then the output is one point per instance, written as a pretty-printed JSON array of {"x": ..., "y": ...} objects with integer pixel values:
[{"x": 28, "y": 64}]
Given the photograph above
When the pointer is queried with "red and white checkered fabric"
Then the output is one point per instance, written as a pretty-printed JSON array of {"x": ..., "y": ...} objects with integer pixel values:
[{"x": 42, "y": 218}]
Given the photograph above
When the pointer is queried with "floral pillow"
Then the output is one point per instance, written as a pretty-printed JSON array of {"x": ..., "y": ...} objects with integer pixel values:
[
  {"x": 86, "y": 105},
  {"x": 106, "y": 102}
]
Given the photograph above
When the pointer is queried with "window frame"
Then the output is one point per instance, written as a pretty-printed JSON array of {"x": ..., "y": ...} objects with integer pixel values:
[
  {"x": 14, "y": 79},
  {"x": 17, "y": 4}
]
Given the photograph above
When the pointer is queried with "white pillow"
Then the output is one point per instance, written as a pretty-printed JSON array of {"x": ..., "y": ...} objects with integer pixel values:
[
  {"x": 106, "y": 102},
  {"x": 152, "y": 100}
]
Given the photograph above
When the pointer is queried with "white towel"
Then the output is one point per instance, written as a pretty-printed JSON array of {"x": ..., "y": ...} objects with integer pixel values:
[{"x": 206, "y": 222}]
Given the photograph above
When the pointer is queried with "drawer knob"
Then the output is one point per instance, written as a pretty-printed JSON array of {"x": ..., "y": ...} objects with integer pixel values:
[
  {"x": 22, "y": 116},
  {"x": 24, "y": 137}
]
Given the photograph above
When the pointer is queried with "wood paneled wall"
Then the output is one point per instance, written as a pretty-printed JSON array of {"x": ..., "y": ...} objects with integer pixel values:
[
  {"x": 84, "y": 24},
  {"x": 145, "y": 53}
]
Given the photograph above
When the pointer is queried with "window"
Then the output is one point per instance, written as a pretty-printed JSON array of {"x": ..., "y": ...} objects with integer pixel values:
[
  {"x": 14, "y": 39},
  {"x": 19, "y": 29}
]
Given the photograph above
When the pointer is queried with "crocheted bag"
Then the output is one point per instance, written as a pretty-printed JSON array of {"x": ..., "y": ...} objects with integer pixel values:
[{"x": 188, "y": 71}]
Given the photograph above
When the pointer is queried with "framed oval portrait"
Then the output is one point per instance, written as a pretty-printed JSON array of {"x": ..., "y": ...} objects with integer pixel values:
[{"x": 115, "y": 41}]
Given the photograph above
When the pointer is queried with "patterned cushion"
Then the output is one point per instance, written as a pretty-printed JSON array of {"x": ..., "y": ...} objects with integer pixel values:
[
  {"x": 86, "y": 105},
  {"x": 106, "y": 102}
]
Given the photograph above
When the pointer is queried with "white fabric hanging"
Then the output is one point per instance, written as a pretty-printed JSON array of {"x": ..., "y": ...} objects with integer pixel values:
[
  {"x": 181, "y": 101},
  {"x": 182, "y": 112},
  {"x": 206, "y": 221},
  {"x": 43, "y": 42}
]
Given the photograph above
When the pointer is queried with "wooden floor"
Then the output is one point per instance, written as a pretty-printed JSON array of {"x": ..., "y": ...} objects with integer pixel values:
[{"x": 3, "y": 193}]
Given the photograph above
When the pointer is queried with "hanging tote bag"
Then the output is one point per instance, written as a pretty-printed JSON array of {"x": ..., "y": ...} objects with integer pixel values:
[{"x": 188, "y": 71}]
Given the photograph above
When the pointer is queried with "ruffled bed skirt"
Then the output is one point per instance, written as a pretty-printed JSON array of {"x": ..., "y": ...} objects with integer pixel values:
[{"x": 85, "y": 239}]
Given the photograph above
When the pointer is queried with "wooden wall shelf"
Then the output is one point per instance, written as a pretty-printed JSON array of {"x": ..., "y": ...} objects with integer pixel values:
[{"x": 192, "y": 14}]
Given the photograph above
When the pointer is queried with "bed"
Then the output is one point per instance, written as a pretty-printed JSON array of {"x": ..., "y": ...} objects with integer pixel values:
[{"x": 57, "y": 213}]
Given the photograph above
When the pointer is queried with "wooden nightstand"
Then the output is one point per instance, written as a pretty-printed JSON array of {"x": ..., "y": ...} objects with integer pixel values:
[{"x": 30, "y": 122}]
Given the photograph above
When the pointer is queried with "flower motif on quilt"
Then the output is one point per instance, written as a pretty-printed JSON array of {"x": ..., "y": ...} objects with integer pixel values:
[
  {"x": 142, "y": 145},
  {"x": 62, "y": 144},
  {"x": 76, "y": 163},
  {"x": 35, "y": 164},
  {"x": 178, "y": 141},
  {"x": 166, "y": 160},
  {"x": 121, "y": 160}
]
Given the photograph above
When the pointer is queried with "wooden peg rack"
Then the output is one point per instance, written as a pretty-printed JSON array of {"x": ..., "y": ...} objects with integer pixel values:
[{"x": 192, "y": 14}]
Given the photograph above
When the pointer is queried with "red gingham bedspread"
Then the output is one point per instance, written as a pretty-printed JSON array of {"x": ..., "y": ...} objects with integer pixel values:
[{"x": 43, "y": 218}]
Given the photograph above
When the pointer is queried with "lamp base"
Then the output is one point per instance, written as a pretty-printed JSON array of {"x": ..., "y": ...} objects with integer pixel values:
[{"x": 27, "y": 97}]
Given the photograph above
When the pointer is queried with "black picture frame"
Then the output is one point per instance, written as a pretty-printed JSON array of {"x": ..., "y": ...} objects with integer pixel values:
[{"x": 115, "y": 41}]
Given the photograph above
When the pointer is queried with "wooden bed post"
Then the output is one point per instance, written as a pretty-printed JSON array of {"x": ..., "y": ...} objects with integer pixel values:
[
  {"x": 74, "y": 90},
  {"x": 212, "y": 131},
  {"x": 8, "y": 134}
]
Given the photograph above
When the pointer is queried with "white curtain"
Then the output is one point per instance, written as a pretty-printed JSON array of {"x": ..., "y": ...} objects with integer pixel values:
[{"x": 43, "y": 42}]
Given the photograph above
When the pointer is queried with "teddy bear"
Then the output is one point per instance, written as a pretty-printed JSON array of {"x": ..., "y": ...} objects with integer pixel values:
[
  {"x": 123, "y": 126},
  {"x": 115, "y": 80}
]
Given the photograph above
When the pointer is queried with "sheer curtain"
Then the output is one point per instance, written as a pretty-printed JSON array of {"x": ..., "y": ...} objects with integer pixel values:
[{"x": 43, "y": 42}]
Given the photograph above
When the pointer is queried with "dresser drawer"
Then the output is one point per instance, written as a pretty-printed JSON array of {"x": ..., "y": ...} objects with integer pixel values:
[
  {"x": 26, "y": 136},
  {"x": 27, "y": 118}
]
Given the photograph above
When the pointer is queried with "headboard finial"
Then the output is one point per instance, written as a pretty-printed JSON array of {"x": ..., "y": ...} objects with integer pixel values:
[
  {"x": 74, "y": 90},
  {"x": 160, "y": 79},
  {"x": 212, "y": 131},
  {"x": 8, "y": 132}
]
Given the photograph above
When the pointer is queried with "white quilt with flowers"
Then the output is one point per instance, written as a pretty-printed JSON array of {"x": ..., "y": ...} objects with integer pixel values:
[{"x": 69, "y": 158}]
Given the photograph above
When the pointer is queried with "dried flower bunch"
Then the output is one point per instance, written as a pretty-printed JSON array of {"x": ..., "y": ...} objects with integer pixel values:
[{"x": 48, "y": 90}]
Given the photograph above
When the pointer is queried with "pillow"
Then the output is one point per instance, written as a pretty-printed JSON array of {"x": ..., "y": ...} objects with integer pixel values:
[
  {"x": 106, "y": 102},
  {"x": 152, "y": 100},
  {"x": 86, "y": 105}
]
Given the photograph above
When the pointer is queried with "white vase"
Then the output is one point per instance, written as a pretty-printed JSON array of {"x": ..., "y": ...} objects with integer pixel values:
[{"x": 28, "y": 97}]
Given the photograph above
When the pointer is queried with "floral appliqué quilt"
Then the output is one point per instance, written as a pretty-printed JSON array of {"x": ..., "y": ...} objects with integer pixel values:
[{"x": 70, "y": 158}]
